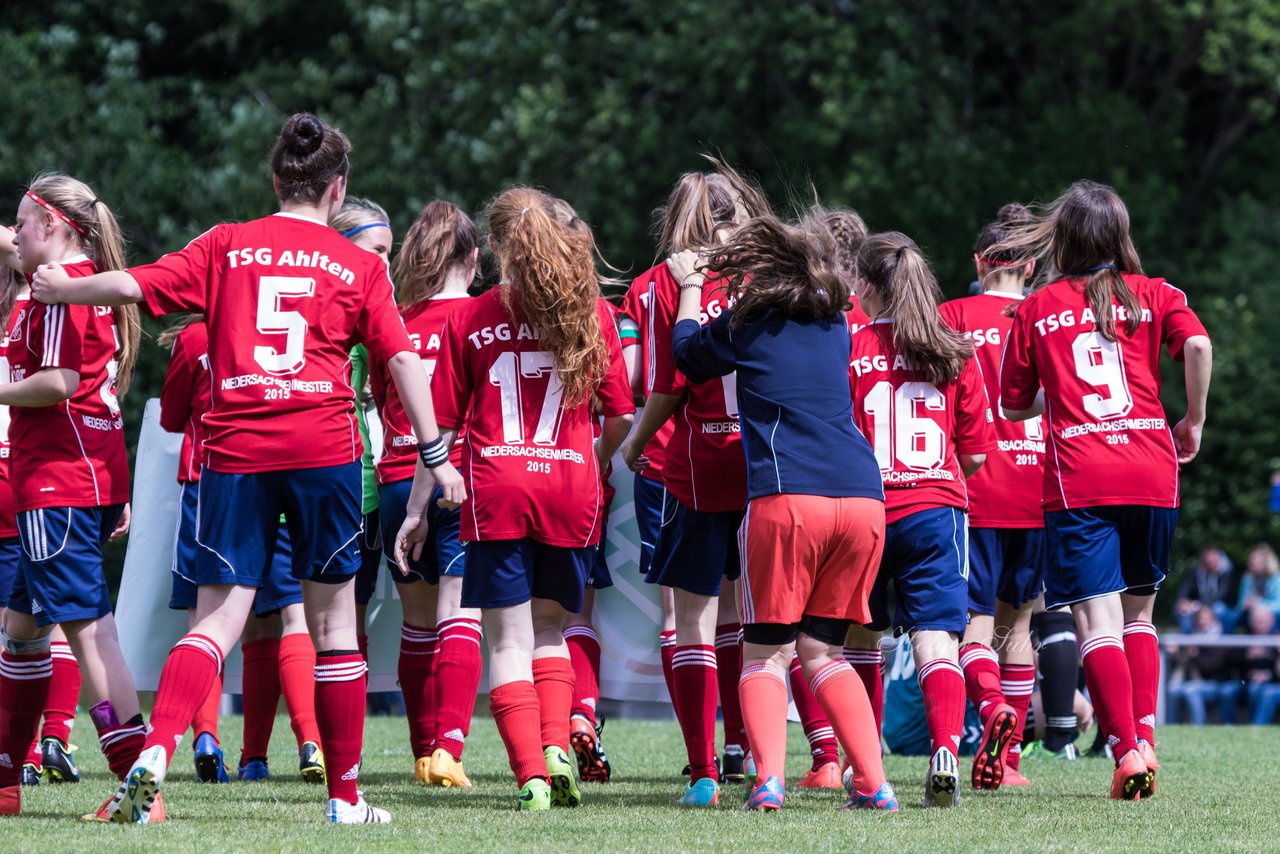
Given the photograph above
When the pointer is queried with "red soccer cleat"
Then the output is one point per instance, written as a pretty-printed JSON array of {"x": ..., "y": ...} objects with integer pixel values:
[
  {"x": 1130, "y": 777},
  {"x": 1013, "y": 777},
  {"x": 988, "y": 761},
  {"x": 826, "y": 776},
  {"x": 11, "y": 800},
  {"x": 1148, "y": 754}
]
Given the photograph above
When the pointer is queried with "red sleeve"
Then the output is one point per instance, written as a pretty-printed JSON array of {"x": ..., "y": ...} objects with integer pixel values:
[
  {"x": 378, "y": 382},
  {"x": 667, "y": 378},
  {"x": 951, "y": 315},
  {"x": 975, "y": 428},
  {"x": 380, "y": 327},
  {"x": 61, "y": 334},
  {"x": 1019, "y": 380},
  {"x": 179, "y": 281},
  {"x": 175, "y": 395},
  {"x": 451, "y": 385},
  {"x": 1177, "y": 319},
  {"x": 614, "y": 393}
]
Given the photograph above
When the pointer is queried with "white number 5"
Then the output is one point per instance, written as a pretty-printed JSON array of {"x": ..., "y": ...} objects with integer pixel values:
[{"x": 273, "y": 321}]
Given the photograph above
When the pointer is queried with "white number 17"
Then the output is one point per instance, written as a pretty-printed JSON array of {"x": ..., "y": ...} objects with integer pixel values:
[{"x": 506, "y": 373}]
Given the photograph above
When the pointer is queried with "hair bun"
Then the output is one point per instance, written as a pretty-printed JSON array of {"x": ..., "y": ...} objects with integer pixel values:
[
  {"x": 1014, "y": 214},
  {"x": 303, "y": 134}
]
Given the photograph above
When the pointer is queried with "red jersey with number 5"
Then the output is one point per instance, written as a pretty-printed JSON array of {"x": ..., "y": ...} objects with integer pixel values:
[
  {"x": 1109, "y": 442},
  {"x": 70, "y": 454},
  {"x": 1006, "y": 491},
  {"x": 916, "y": 428},
  {"x": 638, "y": 305},
  {"x": 185, "y": 397},
  {"x": 285, "y": 299},
  {"x": 706, "y": 467},
  {"x": 529, "y": 462},
  {"x": 424, "y": 323},
  {"x": 8, "y": 526}
]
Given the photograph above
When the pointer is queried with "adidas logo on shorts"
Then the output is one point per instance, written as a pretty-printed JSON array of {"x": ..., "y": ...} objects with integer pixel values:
[{"x": 353, "y": 773}]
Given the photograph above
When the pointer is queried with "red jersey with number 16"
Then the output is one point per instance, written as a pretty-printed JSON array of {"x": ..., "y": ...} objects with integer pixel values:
[
  {"x": 1006, "y": 491},
  {"x": 638, "y": 305},
  {"x": 285, "y": 299},
  {"x": 529, "y": 462},
  {"x": 916, "y": 428},
  {"x": 1109, "y": 442},
  {"x": 185, "y": 397}
]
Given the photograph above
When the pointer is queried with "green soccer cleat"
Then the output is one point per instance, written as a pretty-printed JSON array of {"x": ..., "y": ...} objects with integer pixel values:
[
  {"x": 535, "y": 796},
  {"x": 311, "y": 763},
  {"x": 564, "y": 778}
]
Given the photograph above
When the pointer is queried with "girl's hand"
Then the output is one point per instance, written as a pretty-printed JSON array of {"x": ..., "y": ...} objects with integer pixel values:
[
  {"x": 1186, "y": 440},
  {"x": 633, "y": 456},
  {"x": 49, "y": 284},
  {"x": 122, "y": 526},
  {"x": 684, "y": 265},
  {"x": 451, "y": 484},
  {"x": 409, "y": 541}
]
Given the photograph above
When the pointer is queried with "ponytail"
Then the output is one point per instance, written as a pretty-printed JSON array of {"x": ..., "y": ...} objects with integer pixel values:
[{"x": 440, "y": 239}]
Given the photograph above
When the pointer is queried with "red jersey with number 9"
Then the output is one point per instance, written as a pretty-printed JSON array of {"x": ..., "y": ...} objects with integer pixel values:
[
  {"x": 1109, "y": 442},
  {"x": 1006, "y": 491},
  {"x": 425, "y": 324},
  {"x": 529, "y": 462},
  {"x": 917, "y": 428},
  {"x": 285, "y": 299},
  {"x": 706, "y": 467}
]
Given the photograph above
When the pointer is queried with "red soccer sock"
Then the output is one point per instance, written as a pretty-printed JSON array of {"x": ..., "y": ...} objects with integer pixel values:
[
  {"x": 456, "y": 678},
  {"x": 584, "y": 652},
  {"x": 667, "y": 651},
  {"x": 693, "y": 669},
  {"x": 298, "y": 663},
  {"x": 24, "y": 687},
  {"x": 417, "y": 686},
  {"x": 869, "y": 664},
  {"x": 1106, "y": 672},
  {"x": 340, "y": 680},
  {"x": 34, "y": 756},
  {"x": 1017, "y": 683},
  {"x": 122, "y": 744},
  {"x": 514, "y": 707},
  {"x": 206, "y": 719},
  {"x": 762, "y": 693},
  {"x": 261, "y": 695},
  {"x": 553, "y": 680},
  {"x": 64, "y": 693},
  {"x": 189, "y": 672},
  {"x": 981, "y": 671},
  {"x": 942, "y": 684},
  {"x": 728, "y": 669},
  {"x": 822, "y": 738},
  {"x": 844, "y": 698},
  {"x": 1142, "y": 649}
]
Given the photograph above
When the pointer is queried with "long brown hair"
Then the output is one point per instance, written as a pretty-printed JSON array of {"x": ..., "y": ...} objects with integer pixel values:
[
  {"x": 441, "y": 238},
  {"x": 701, "y": 203},
  {"x": 307, "y": 156},
  {"x": 100, "y": 238},
  {"x": 552, "y": 284},
  {"x": 170, "y": 335},
  {"x": 892, "y": 265},
  {"x": 1084, "y": 234},
  {"x": 849, "y": 232}
]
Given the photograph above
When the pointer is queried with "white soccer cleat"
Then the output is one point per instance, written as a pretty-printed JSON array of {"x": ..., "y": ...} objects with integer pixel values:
[
  {"x": 133, "y": 800},
  {"x": 942, "y": 785},
  {"x": 341, "y": 812}
]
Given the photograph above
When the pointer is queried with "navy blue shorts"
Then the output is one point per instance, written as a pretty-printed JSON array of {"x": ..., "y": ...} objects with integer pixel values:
[
  {"x": 925, "y": 556},
  {"x": 1005, "y": 564},
  {"x": 183, "y": 596},
  {"x": 696, "y": 550},
  {"x": 1097, "y": 551},
  {"x": 239, "y": 518},
  {"x": 60, "y": 573},
  {"x": 600, "y": 577},
  {"x": 281, "y": 589},
  {"x": 370, "y": 557},
  {"x": 647, "y": 497},
  {"x": 502, "y": 573},
  {"x": 442, "y": 554},
  {"x": 10, "y": 550}
]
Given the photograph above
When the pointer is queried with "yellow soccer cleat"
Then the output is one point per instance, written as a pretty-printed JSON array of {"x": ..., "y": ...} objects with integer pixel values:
[
  {"x": 447, "y": 771},
  {"x": 311, "y": 763},
  {"x": 421, "y": 770}
]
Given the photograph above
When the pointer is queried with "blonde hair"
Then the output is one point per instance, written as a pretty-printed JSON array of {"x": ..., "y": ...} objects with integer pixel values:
[
  {"x": 98, "y": 234},
  {"x": 355, "y": 212},
  {"x": 441, "y": 238}
]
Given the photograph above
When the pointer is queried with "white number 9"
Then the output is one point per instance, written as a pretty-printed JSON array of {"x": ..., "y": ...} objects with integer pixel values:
[{"x": 1098, "y": 364}]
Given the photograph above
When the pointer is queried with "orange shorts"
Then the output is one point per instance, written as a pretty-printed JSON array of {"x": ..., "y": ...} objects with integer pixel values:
[{"x": 809, "y": 555}]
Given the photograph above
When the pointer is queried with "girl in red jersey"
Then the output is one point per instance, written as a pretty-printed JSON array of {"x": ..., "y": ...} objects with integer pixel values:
[
  {"x": 69, "y": 473},
  {"x": 518, "y": 368},
  {"x": 440, "y": 664},
  {"x": 1090, "y": 337},
  {"x": 1006, "y": 527},
  {"x": 918, "y": 396},
  {"x": 282, "y": 438}
]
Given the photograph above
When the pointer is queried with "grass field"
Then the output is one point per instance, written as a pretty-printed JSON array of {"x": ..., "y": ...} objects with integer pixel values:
[{"x": 1209, "y": 799}]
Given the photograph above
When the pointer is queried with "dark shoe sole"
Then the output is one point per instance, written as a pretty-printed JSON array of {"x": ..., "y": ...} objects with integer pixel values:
[{"x": 988, "y": 762}]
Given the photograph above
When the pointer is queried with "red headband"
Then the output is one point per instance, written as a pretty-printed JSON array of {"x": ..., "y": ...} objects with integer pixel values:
[
  {"x": 59, "y": 214},
  {"x": 994, "y": 263}
]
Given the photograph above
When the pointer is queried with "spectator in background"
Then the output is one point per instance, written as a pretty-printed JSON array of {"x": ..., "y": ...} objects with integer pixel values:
[
  {"x": 1204, "y": 675},
  {"x": 1260, "y": 584},
  {"x": 1259, "y": 668},
  {"x": 1207, "y": 586}
]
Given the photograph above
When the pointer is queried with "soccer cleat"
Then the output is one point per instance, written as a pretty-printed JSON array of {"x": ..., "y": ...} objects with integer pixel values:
[
  {"x": 942, "y": 784},
  {"x": 11, "y": 800},
  {"x": 1148, "y": 754},
  {"x": 563, "y": 777},
  {"x": 731, "y": 768},
  {"x": 444, "y": 770},
  {"x": 767, "y": 796},
  {"x": 254, "y": 770},
  {"x": 1131, "y": 776},
  {"x": 340, "y": 812},
  {"x": 826, "y": 776},
  {"x": 140, "y": 788},
  {"x": 421, "y": 769},
  {"x": 988, "y": 760},
  {"x": 535, "y": 796},
  {"x": 30, "y": 774},
  {"x": 59, "y": 767},
  {"x": 1013, "y": 777},
  {"x": 1037, "y": 749},
  {"x": 210, "y": 767},
  {"x": 884, "y": 799},
  {"x": 101, "y": 816},
  {"x": 703, "y": 793},
  {"x": 311, "y": 767},
  {"x": 593, "y": 764}
]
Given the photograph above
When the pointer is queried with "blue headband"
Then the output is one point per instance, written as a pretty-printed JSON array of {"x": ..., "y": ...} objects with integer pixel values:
[{"x": 360, "y": 228}]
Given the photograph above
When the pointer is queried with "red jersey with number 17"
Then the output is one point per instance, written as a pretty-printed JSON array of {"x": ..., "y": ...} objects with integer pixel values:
[
  {"x": 529, "y": 462},
  {"x": 1006, "y": 491},
  {"x": 8, "y": 521},
  {"x": 185, "y": 397},
  {"x": 1109, "y": 442},
  {"x": 638, "y": 305},
  {"x": 916, "y": 428},
  {"x": 424, "y": 323},
  {"x": 285, "y": 299}
]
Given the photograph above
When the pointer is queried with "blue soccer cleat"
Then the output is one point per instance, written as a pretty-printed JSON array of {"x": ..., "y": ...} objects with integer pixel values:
[
  {"x": 767, "y": 796},
  {"x": 209, "y": 760},
  {"x": 884, "y": 799},
  {"x": 703, "y": 793},
  {"x": 254, "y": 771}
]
